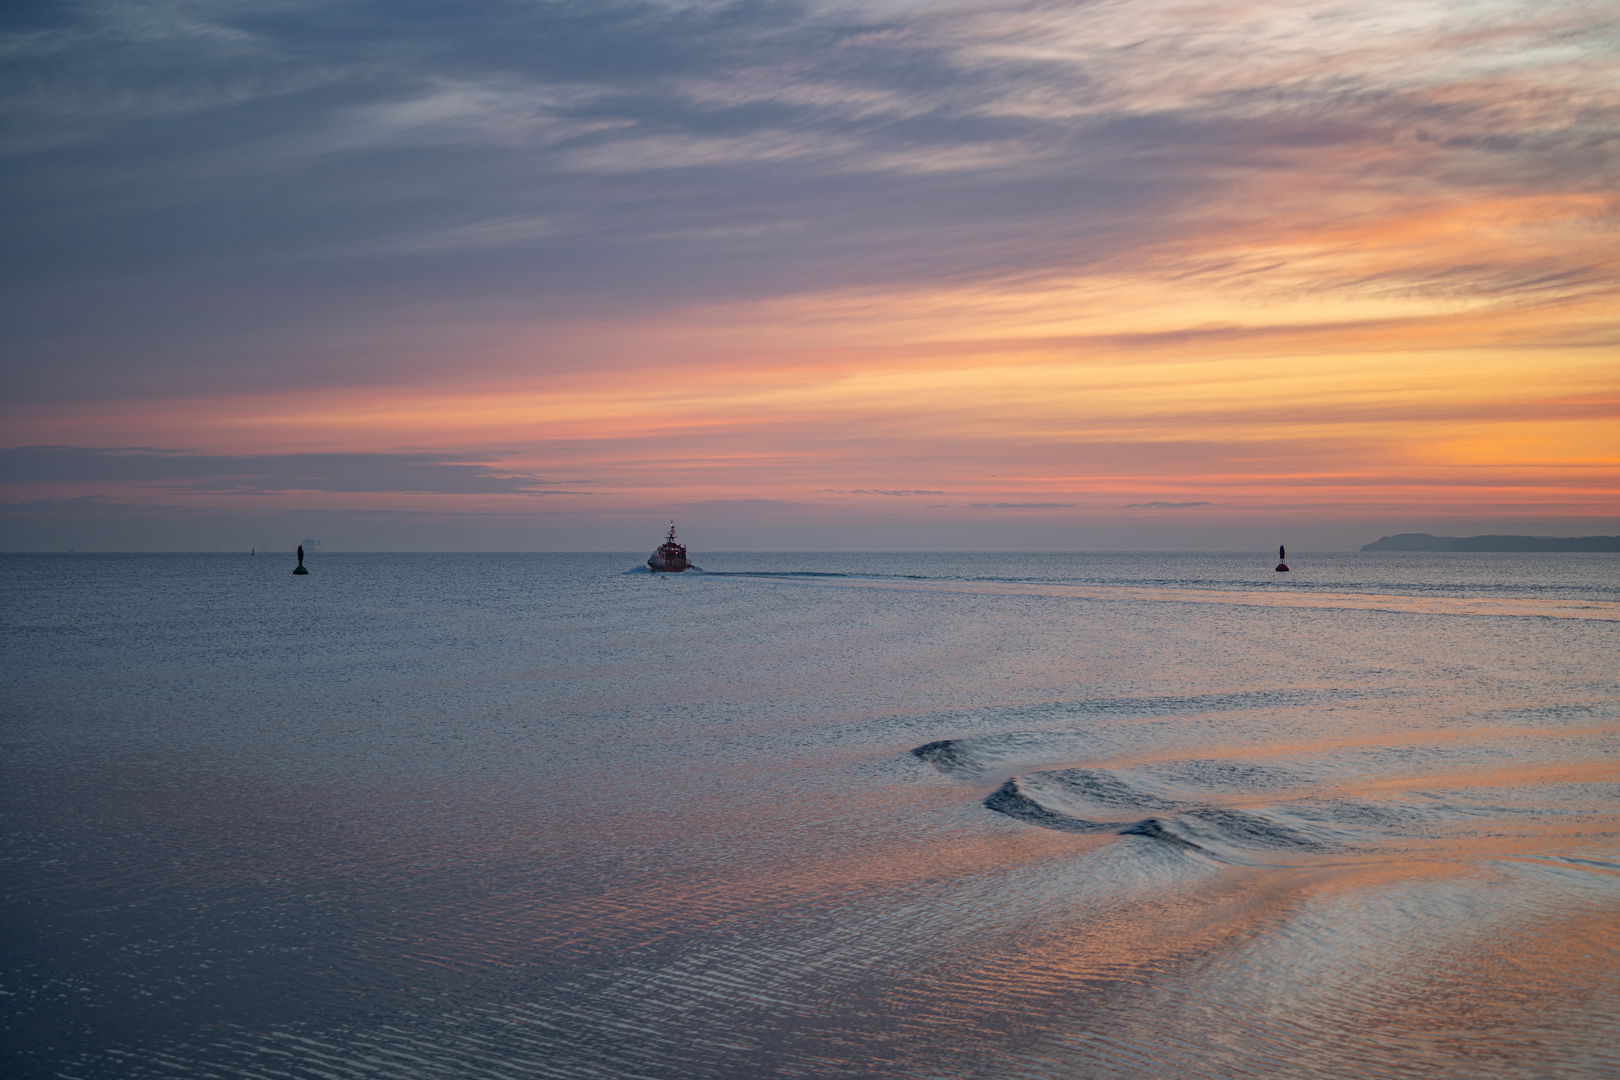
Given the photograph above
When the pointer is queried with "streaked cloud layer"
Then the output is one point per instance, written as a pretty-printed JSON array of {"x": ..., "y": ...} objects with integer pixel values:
[
  {"x": 267, "y": 473},
  {"x": 1316, "y": 267}
]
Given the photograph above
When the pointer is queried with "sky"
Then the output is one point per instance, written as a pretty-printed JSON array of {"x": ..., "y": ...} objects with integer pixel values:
[{"x": 930, "y": 275}]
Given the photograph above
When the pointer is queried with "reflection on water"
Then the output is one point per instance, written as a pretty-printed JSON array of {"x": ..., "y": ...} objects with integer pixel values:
[{"x": 1039, "y": 816}]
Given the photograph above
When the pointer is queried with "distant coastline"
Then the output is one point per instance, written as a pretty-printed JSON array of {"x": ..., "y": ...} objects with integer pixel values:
[{"x": 1425, "y": 542}]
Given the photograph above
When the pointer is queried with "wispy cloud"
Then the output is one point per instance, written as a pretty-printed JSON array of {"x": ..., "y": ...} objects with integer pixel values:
[
  {"x": 1161, "y": 505},
  {"x": 365, "y": 127},
  {"x": 265, "y": 473},
  {"x": 742, "y": 250},
  {"x": 1020, "y": 506}
]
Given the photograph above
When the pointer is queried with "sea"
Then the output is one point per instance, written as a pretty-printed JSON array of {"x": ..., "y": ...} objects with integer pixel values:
[{"x": 1066, "y": 816}]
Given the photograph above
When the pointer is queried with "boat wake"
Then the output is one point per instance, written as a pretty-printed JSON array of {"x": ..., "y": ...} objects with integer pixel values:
[
  {"x": 1334, "y": 800},
  {"x": 1096, "y": 801},
  {"x": 1350, "y": 595}
]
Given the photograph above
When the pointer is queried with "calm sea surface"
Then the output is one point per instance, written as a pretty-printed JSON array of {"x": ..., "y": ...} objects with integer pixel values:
[{"x": 480, "y": 816}]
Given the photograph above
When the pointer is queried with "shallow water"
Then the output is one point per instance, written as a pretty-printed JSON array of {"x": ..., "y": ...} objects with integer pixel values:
[{"x": 531, "y": 815}]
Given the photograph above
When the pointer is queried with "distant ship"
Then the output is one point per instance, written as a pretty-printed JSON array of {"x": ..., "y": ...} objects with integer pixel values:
[{"x": 670, "y": 558}]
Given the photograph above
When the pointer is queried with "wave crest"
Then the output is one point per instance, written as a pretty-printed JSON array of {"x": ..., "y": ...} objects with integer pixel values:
[{"x": 1095, "y": 800}]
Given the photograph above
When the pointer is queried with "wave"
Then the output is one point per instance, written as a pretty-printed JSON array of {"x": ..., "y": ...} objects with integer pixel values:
[
  {"x": 1078, "y": 730},
  {"x": 975, "y": 754},
  {"x": 946, "y": 755},
  {"x": 1224, "y": 833},
  {"x": 1011, "y": 799},
  {"x": 1095, "y": 800},
  {"x": 1091, "y": 800},
  {"x": 1091, "y": 792}
]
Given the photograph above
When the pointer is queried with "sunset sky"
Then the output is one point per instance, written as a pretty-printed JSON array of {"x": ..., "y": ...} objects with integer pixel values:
[{"x": 874, "y": 274}]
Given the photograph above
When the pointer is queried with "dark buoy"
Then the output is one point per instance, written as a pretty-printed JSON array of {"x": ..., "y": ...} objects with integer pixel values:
[
  {"x": 300, "y": 569},
  {"x": 1282, "y": 553}
]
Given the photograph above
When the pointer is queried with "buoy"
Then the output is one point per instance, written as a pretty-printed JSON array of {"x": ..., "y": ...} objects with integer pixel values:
[
  {"x": 1282, "y": 553},
  {"x": 1282, "y": 566},
  {"x": 300, "y": 569}
]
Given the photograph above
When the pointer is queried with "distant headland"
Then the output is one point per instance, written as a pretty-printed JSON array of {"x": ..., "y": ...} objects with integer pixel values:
[{"x": 1425, "y": 542}]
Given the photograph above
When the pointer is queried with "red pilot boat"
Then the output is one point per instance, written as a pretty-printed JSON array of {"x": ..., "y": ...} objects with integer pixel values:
[{"x": 670, "y": 558}]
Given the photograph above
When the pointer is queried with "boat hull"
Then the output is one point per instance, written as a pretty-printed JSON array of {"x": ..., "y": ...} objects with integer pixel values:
[{"x": 670, "y": 558}]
